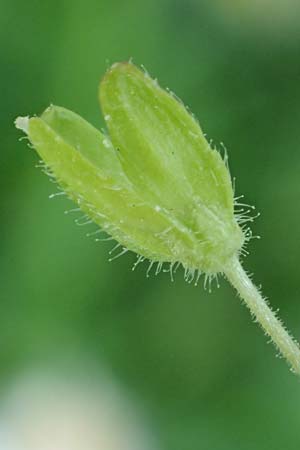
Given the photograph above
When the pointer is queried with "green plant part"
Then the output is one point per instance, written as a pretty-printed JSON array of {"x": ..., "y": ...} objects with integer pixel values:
[{"x": 155, "y": 185}]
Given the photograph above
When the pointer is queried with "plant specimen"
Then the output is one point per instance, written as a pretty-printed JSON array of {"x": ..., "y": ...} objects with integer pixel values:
[{"x": 155, "y": 185}]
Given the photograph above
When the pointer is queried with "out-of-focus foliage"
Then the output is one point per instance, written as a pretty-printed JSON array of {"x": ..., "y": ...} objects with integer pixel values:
[{"x": 201, "y": 368}]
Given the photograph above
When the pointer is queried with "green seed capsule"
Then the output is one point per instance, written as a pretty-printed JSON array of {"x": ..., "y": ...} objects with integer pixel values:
[
  {"x": 155, "y": 184},
  {"x": 166, "y": 156}
]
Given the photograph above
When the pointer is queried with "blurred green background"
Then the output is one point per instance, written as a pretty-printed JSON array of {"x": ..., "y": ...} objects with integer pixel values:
[{"x": 202, "y": 369}]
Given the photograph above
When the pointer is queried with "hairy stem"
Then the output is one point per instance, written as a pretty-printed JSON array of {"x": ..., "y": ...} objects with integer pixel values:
[{"x": 259, "y": 308}]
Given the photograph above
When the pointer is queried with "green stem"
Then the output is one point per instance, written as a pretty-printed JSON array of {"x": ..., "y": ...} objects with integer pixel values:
[{"x": 258, "y": 306}]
